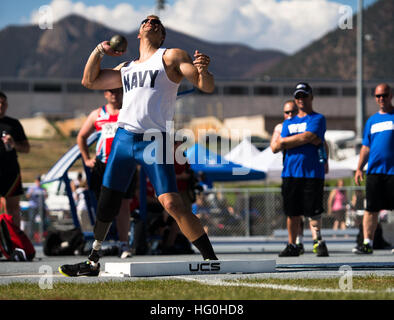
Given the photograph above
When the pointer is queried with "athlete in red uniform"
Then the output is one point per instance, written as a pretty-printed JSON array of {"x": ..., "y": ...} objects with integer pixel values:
[{"x": 104, "y": 120}]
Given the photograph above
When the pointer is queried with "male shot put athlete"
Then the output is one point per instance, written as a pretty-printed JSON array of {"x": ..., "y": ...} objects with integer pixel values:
[{"x": 150, "y": 86}]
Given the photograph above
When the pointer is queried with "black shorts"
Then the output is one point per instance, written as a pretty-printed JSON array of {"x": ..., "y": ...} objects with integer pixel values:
[
  {"x": 302, "y": 196},
  {"x": 96, "y": 181},
  {"x": 379, "y": 192},
  {"x": 10, "y": 181}
]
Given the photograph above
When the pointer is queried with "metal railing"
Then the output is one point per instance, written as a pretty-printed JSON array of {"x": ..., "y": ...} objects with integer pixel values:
[{"x": 259, "y": 211}]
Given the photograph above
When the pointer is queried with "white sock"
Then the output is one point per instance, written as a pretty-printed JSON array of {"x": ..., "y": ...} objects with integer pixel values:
[
  {"x": 368, "y": 241},
  {"x": 299, "y": 239}
]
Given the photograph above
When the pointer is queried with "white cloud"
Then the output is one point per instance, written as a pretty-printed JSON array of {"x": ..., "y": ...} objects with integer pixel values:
[
  {"x": 122, "y": 17},
  {"x": 287, "y": 25}
]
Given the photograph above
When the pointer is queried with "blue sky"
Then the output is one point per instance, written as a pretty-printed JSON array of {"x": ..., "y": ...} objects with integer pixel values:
[{"x": 279, "y": 24}]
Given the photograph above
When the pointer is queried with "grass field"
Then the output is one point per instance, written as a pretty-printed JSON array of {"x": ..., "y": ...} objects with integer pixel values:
[
  {"x": 364, "y": 288},
  {"x": 42, "y": 156}
]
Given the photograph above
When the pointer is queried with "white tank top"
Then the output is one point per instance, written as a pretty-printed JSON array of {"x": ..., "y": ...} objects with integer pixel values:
[{"x": 148, "y": 95}]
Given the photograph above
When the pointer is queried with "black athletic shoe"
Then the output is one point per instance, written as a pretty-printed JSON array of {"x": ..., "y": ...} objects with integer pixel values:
[
  {"x": 290, "y": 251},
  {"x": 363, "y": 249},
  {"x": 80, "y": 269},
  {"x": 321, "y": 249},
  {"x": 300, "y": 247}
]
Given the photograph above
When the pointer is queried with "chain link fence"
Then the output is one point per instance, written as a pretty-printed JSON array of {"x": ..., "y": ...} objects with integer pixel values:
[
  {"x": 258, "y": 212},
  {"x": 249, "y": 211}
]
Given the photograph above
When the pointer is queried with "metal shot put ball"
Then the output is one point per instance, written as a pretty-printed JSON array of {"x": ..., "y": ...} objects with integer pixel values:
[{"x": 118, "y": 43}]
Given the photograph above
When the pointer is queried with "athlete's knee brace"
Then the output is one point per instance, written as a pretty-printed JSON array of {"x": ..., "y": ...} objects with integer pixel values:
[{"x": 109, "y": 204}]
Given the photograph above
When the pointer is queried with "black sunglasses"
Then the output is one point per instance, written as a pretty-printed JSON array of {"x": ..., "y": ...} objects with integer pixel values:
[
  {"x": 290, "y": 111},
  {"x": 152, "y": 21},
  {"x": 301, "y": 95},
  {"x": 384, "y": 95}
]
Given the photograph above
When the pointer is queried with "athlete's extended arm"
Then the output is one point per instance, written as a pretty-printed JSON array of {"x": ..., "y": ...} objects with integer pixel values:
[
  {"x": 100, "y": 79},
  {"x": 196, "y": 71},
  {"x": 362, "y": 161},
  {"x": 83, "y": 134}
]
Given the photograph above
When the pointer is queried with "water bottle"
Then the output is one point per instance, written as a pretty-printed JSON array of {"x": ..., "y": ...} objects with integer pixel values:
[
  {"x": 6, "y": 145},
  {"x": 321, "y": 151}
]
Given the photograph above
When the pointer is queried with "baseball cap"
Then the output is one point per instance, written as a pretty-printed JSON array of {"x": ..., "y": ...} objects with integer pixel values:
[{"x": 303, "y": 87}]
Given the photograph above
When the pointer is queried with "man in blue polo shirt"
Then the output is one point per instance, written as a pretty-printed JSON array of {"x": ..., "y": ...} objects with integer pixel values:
[
  {"x": 378, "y": 151},
  {"x": 303, "y": 170}
]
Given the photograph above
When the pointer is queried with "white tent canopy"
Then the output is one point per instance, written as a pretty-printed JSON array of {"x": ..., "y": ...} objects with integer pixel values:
[
  {"x": 269, "y": 162},
  {"x": 243, "y": 153},
  {"x": 352, "y": 162},
  {"x": 338, "y": 169},
  {"x": 272, "y": 164}
]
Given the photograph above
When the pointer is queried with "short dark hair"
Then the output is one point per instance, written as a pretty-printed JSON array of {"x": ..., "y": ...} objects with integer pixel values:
[
  {"x": 290, "y": 101},
  {"x": 2, "y": 95}
]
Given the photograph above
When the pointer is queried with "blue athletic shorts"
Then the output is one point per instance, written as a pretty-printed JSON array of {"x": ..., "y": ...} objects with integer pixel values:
[{"x": 129, "y": 149}]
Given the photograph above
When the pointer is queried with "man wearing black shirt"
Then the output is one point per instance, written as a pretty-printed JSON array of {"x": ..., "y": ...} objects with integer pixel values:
[{"x": 13, "y": 140}]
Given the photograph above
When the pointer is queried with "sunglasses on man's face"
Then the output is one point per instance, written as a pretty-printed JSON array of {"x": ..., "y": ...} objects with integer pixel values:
[
  {"x": 290, "y": 111},
  {"x": 151, "y": 21},
  {"x": 301, "y": 95},
  {"x": 384, "y": 95}
]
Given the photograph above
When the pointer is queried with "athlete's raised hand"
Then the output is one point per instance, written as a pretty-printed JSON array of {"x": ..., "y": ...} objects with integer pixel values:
[
  {"x": 201, "y": 61},
  {"x": 104, "y": 48}
]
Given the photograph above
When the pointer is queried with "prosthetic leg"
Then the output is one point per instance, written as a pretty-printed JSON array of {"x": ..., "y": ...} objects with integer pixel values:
[{"x": 107, "y": 209}]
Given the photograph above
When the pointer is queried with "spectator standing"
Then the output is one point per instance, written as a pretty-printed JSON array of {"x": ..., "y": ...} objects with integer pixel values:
[
  {"x": 336, "y": 206},
  {"x": 378, "y": 150},
  {"x": 80, "y": 196},
  {"x": 303, "y": 170},
  {"x": 13, "y": 141},
  {"x": 290, "y": 110},
  {"x": 36, "y": 195}
]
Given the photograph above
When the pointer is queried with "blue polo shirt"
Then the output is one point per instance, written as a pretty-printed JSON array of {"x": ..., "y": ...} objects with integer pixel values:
[
  {"x": 379, "y": 137},
  {"x": 303, "y": 161}
]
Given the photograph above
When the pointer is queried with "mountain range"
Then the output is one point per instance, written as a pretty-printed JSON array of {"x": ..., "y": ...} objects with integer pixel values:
[
  {"x": 334, "y": 55},
  {"x": 61, "y": 52}
]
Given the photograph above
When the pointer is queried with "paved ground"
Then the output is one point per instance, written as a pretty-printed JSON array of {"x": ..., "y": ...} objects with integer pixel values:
[{"x": 306, "y": 266}]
